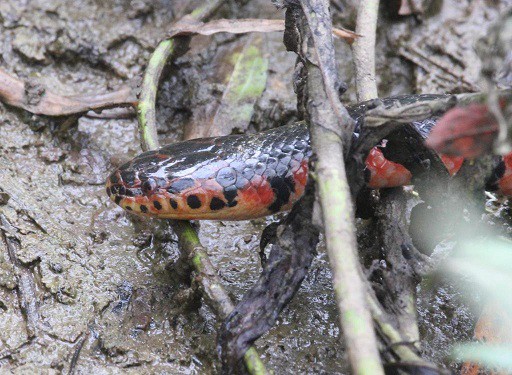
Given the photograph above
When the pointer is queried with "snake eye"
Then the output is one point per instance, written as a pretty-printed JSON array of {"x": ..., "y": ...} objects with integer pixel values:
[{"x": 148, "y": 186}]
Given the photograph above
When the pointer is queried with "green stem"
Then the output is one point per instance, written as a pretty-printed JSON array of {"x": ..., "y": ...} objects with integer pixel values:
[
  {"x": 210, "y": 283},
  {"x": 146, "y": 110},
  {"x": 207, "y": 275},
  {"x": 339, "y": 229}
]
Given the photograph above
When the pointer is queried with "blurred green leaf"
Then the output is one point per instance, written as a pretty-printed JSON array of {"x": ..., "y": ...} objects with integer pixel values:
[
  {"x": 491, "y": 356},
  {"x": 486, "y": 265}
]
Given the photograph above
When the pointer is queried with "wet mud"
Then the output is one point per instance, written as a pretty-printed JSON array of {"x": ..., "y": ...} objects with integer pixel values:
[{"x": 89, "y": 288}]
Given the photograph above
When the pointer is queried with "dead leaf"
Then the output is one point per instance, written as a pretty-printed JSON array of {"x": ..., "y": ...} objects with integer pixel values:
[
  {"x": 347, "y": 35},
  {"x": 246, "y": 84},
  {"x": 38, "y": 100},
  {"x": 189, "y": 26}
]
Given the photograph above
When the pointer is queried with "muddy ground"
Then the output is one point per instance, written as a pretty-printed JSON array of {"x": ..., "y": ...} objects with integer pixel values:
[{"x": 84, "y": 286}]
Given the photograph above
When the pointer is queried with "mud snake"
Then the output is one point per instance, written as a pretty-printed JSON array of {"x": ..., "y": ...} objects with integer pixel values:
[{"x": 239, "y": 177}]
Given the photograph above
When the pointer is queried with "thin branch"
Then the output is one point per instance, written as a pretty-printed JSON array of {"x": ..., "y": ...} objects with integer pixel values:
[
  {"x": 393, "y": 337},
  {"x": 293, "y": 250},
  {"x": 326, "y": 115},
  {"x": 211, "y": 285},
  {"x": 207, "y": 275},
  {"x": 364, "y": 50},
  {"x": 146, "y": 107},
  {"x": 341, "y": 246},
  {"x": 76, "y": 353}
]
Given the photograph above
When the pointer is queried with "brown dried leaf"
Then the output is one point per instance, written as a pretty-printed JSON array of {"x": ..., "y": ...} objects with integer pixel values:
[
  {"x": 347, "y": 35},
  {"x": 189, "y": 26},
  {"x": 39, "y": 100}
]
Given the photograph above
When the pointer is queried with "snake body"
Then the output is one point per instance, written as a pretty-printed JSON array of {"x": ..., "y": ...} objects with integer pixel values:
[
  {"x": 233, "y": 177},
  {"x": 239, "y": 177}
]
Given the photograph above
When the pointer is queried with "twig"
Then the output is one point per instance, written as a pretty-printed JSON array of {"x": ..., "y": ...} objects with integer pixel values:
[
  {"x": 342, "y": 249},
  {"x": 25, "y": 288},
  {"x": 326, "y": 114},
  {"x": 211, "y": 285},
  {"x": 290, "y": 258},
  {"x": 207, "y": 278},
  {"x": 76, "y": 354},
  {"x": 364, "y": 50},
  {"x": 389, "y": 334},
  {"x": 393, "y": 228},
  {"x": 206, "y": 273},
  {"x": 146, "y": 110},
  {"x": 146, "y": 107}
]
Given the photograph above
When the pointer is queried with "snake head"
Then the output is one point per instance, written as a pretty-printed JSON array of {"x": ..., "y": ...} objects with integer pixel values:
[
  {"x": 156, "y": 184},
  {"x": 139, "y": 185}
]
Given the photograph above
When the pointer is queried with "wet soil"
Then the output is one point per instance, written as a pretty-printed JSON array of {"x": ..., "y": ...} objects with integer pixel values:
[{"x": 84, "y": 286}]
